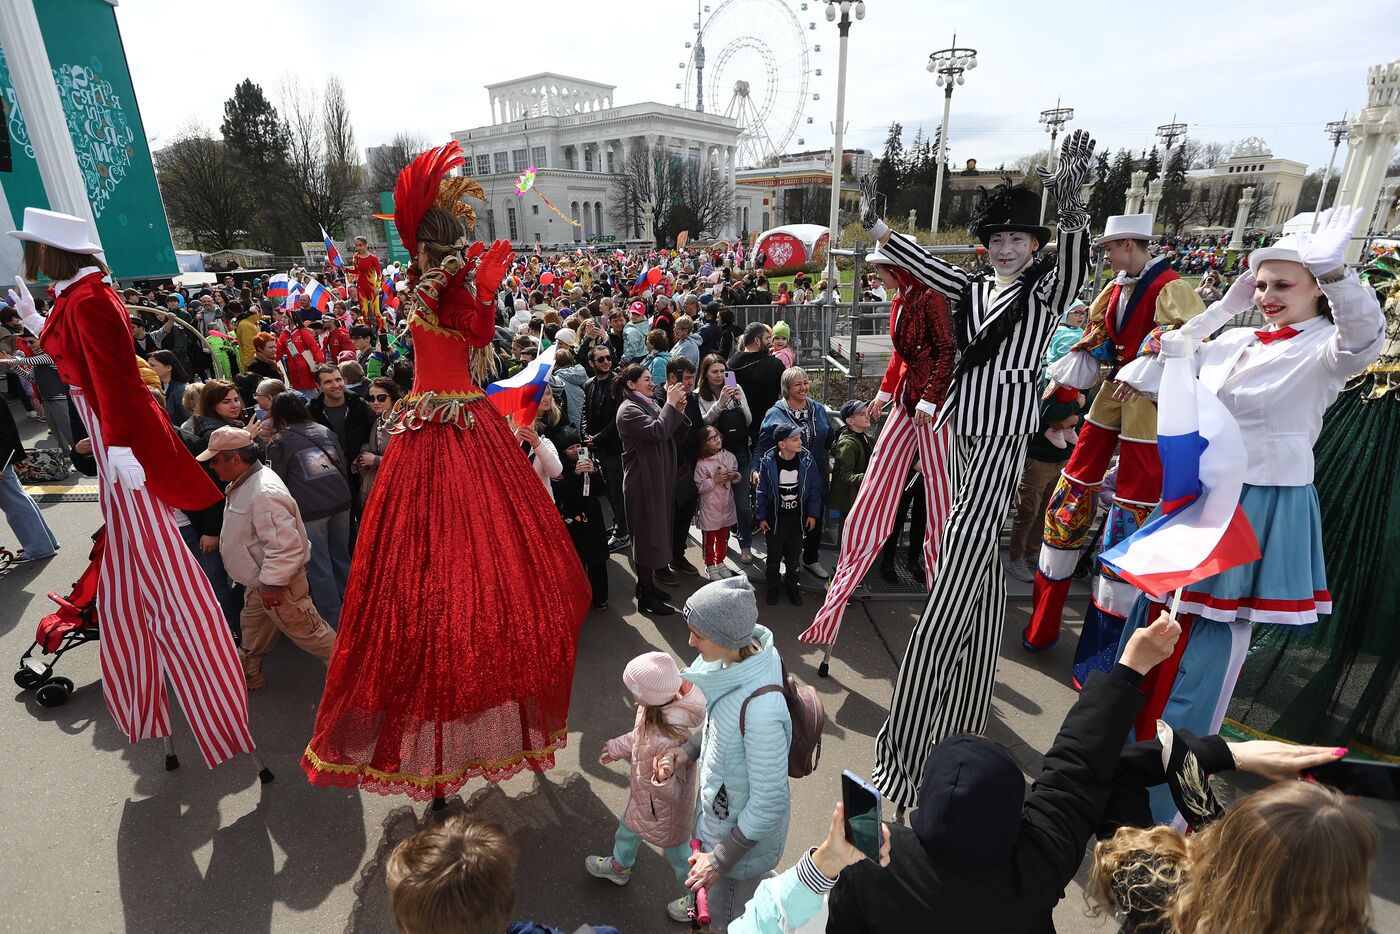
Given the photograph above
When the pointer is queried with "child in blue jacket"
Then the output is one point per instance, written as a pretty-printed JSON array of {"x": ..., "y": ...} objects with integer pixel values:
[{"x": 789, "y": 500}]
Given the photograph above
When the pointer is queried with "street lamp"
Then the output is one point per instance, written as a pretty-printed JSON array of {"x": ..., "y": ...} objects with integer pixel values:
[
  {"x": 1337, "y": 129},
  {"x": 1167, "y": 133},
  {"x": 1053, "y": 119},
  {"x": 949, "y": 64},
  {"x": 845, "y": 9}
]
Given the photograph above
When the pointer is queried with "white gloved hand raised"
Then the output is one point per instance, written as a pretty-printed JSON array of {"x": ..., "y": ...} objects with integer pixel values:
[
  {"x": 124, "y": 468},
  {"x": 24, "y": 304},
  {"x": 1240, "y": 296},
  {"x": 1324, "y": 250}
]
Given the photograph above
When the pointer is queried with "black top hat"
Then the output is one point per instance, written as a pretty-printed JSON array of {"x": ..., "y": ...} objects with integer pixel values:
[{"x": 1010, "y": 207}]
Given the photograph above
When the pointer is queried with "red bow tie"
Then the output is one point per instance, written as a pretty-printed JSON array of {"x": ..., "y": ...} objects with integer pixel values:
[{"x": 1282, "y": 334}]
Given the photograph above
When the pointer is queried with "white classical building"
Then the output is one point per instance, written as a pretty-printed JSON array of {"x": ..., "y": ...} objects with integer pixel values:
[
  {"x": 579, "y": 140},
  {"x": 1251, "y": 164}
]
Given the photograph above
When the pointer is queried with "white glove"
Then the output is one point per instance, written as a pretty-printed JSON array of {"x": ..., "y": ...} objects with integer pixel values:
[
  {"x": 125, "y": 469},
  {"x": 1322, "y": 252},
  {"x": 24, "y": 304},
  {"x": 1177, "y": 343},
  {"x": 1240, "y": 297}
]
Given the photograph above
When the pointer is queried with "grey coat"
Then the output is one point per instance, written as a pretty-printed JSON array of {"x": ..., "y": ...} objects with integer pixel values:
[{"x": 648, "y": 475}]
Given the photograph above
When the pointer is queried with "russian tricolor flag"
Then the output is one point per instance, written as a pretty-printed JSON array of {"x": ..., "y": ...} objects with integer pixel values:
[
  {"x": 277, "y": 286},
  {"x": 518, "y": 397},
  {"x": 1202, "y": 530},
  {"x": 332, "y": 254},
  {"x": 320, "y": 295}
]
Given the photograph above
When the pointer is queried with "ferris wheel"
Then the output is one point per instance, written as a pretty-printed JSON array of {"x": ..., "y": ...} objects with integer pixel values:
[{"x": 751, "y": 61}]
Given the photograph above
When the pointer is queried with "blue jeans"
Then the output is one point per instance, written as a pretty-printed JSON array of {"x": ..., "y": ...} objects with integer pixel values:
[
  {"x": 212, "y": 565},
  {"x": 24, "y": 517},
  {"x": 330, "y": 563},
  {"x": 626, "y": 844}
]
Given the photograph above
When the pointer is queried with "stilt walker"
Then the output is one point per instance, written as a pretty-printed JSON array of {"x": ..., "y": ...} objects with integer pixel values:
[
  {"x": 917, "y": 379},
  {"x": 1324, "y": 327},
  {"x": 159, "y": 615},
  {"x": 1145, "y": 300},
  {"x": 1002, "y": 323}
]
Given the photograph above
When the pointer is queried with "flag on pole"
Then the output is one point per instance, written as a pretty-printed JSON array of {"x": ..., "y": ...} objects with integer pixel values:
[
  {"x": 332, "y": 254},
  {"x": 319, "y": 294},
  {"x": 518, "y": 397},
  {"x": 294, "y": 289},
  {"x": 277, "y": 286},
  {"x": 1202, "y": 530}
]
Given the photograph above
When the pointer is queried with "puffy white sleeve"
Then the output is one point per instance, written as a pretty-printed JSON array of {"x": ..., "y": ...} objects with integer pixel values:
[{"x": 1078, "y": 369}]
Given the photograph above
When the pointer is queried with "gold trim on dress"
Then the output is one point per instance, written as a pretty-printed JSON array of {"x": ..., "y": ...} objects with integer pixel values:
[
  {"x": 444, "y": 408},
  {"x": 554, "y": 744}
]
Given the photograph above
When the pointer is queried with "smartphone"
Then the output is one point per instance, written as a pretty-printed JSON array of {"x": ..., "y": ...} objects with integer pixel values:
[
  {"x": 729, "y": 379},
  {"x": 862, "y": 803},
  {"x": 583, "y": 454},
  {"x": 1362, "y": 778}
]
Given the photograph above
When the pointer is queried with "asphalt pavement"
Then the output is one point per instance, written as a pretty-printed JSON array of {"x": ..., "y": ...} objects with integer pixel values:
[{"x": 97, "y": 836}]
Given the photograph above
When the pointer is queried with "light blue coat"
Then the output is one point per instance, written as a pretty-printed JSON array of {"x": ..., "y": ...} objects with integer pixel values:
[{"x": 743, "y": 780}]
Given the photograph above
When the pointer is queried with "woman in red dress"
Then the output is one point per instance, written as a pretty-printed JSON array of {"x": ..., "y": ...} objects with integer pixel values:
[{"x": 459, "y": 661}]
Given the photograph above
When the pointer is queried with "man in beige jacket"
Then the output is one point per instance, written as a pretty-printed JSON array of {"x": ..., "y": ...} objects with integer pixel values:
[{"x": 264, "y": 547}]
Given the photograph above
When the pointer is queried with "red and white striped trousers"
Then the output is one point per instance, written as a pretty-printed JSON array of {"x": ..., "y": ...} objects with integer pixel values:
[
  {"x": 872, "y": 515},
  {"x": 159, "y": 617}
]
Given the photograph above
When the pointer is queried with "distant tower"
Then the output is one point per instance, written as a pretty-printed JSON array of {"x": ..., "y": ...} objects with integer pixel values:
[{"x": 699, "y": 62}]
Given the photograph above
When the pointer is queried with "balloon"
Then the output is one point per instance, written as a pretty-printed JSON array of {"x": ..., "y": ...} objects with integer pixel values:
[
  {"x": 654, "y": 275},
  {"x": 546, "y": 278}
]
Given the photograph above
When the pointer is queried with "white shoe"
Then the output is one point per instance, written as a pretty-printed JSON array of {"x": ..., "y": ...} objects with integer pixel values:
[
  {"x": 715, "y": 573},
  {"x": 745, "y": 556},
  {"x": 728, "y": 571},
  {"x": 603, "y": 867},
  {"x": 679, "y": 910},
  {"x": 1021, "y": 568},
  {"x": 817, "y": 571}
]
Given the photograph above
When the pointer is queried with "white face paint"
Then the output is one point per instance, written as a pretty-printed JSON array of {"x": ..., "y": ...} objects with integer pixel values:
[{"x": 1010, "y": 251}]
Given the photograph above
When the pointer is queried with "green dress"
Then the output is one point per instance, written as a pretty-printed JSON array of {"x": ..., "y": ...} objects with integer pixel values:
[{"x": 1338, "y": 682}]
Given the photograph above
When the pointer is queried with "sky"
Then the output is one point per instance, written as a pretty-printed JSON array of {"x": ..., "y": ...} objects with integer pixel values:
[{"x": 1274, "y": 73}]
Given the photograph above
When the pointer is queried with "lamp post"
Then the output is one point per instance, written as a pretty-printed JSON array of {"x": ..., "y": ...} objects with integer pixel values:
[
  {"x": 949, "y": 64},
  {"x": 1168, "y": 133},
  {"x": 1053, "y": 119},
  {"x": 1337, "y": 129},
  {"x": 845, "y": 9}
]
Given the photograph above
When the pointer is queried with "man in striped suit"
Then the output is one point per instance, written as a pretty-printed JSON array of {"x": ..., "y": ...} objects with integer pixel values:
[{"x": 1002, "y": 322}]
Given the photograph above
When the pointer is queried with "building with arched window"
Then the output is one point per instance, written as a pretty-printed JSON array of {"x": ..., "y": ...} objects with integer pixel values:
[{"x": 580, "y": 140}]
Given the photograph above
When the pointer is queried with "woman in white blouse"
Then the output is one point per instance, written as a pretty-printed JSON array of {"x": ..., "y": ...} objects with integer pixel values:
[{"x": 1323, "y": 326}]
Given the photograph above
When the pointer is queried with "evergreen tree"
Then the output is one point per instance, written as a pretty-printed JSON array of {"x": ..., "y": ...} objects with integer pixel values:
[
  {"x": 1099, "y": 207},
  {"x": 1115, "y": 185},
  {"x": 891, "y": 174},
  {"x": 1175, "y": 195},
  {"x": 1153, "y": 165},
  {"x": 256, "y": 138}
]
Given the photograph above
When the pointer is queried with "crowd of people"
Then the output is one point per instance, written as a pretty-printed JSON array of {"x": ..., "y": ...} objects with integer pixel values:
[{"x": 329, "y": 415}]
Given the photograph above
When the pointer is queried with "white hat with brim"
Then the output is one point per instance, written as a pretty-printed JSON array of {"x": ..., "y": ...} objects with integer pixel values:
[
  {"x": 63, "y": 231},
  {"x": 1127, "y": 227},
  {"x": 876, "y": 258},
  {"x": 1285, "y": 249}
]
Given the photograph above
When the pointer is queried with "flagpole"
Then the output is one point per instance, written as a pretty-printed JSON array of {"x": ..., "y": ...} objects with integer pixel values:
[{"x": 1176, "y": 603}]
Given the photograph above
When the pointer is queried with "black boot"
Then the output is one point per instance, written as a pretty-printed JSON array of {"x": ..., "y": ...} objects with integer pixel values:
[
  {"x": 916, "y": 565},
  {"x": 774, "y": 592},
  {"x": 650, "y": 601},
  {"x": 887, "y": 570},
  {"x": 794, "y": 594}
]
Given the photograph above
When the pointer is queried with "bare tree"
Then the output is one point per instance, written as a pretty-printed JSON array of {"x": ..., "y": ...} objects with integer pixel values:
[
  {"x": 387, "y": 161},
  {"x": 1200, "y": 154},
  {"x": 685, "y": 195},
  {"x": 707, "y": 195},
  {"x": 204, "y": 189},
  {"x": 323, "y": 165},
  {"x": 806, "y": 204}
]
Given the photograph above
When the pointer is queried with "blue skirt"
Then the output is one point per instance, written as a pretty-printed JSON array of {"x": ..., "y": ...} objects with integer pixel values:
[{"x": 1288, "y": 584}]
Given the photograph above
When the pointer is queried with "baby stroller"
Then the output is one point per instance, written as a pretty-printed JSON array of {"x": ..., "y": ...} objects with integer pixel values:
[{"x": 74, "y": 624}]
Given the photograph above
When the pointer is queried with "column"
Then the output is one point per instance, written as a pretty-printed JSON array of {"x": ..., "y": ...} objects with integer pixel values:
[
  {"x": 1373, "y": 135},
  {"x": 1241, "y": 218},
  {"x": 1154, "y": 197},
  {"x": 1136, "y": 192},
  {"x": 28, "y": 61},
  {"x": 651, "y": 155}
]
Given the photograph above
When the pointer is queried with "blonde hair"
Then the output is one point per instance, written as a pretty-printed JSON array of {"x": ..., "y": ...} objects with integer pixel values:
[
  {"x": 458, "y": 877},
  {"x": 1293, "y": 857}
]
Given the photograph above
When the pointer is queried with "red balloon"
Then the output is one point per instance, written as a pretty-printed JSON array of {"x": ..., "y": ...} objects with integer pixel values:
[
  {"x": 546, "y": 278},
  {"x": 654, "y": 275}
]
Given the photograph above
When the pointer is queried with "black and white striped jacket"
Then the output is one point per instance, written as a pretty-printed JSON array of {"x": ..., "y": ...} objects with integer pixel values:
[{"x": 999, "y": 397}]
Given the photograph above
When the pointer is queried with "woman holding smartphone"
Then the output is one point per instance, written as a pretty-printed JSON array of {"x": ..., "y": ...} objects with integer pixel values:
[{"x": 724, "y": 405}]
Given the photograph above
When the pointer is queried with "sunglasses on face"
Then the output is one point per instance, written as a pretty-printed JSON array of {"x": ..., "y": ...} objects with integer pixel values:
[
  {"x": 602, "y": 359},
  {"x": 378, "y": 397}
]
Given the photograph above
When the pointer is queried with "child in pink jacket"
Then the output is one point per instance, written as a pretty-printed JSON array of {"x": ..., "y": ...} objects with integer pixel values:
[
  {"x": 714, "y": 472},
  {"x": 661, "y": 813}
]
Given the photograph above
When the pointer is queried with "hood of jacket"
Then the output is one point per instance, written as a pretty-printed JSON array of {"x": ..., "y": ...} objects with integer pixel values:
[
  {"x": 716, "y": 679},
  {"x": 744, "y": 359},
  {"x": 970, "y": 801}
]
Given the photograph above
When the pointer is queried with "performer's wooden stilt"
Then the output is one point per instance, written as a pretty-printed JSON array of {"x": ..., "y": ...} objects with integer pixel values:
[{"x": 172, "y": 761}]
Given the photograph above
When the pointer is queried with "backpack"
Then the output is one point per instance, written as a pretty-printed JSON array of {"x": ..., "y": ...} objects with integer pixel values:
[{"x": 808, "y": 720}]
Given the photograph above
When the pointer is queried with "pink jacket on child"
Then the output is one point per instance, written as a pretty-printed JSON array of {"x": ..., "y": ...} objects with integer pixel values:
[
  {"x": 716, "y": 499},
  {"x": 662, "y": 814}
]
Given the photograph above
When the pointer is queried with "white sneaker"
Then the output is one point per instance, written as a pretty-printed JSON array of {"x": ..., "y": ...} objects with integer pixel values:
[
  {"x": 603, "y": 867},
  {"x": 715, "y": 573},
  {"x": 679, "y": 910},
  {"x": 1021, "y": 568},
  {"x": 817, "y": 571},
  {"x": 745, "y": 556},
  {"x": 727, "y": 571}
]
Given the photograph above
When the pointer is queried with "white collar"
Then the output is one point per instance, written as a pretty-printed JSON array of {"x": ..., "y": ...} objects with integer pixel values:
[
  {"x": 1300, "y": 326},
  {"x": 1124, "y": 279},
  {"x": 58, "y": 287}
]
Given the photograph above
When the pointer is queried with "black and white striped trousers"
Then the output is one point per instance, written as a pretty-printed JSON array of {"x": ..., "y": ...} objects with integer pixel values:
[{"x": 945, "y": 680}]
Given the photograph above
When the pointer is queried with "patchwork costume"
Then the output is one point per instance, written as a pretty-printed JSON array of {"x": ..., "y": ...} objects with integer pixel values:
[{"x": 1126, "y": 321}]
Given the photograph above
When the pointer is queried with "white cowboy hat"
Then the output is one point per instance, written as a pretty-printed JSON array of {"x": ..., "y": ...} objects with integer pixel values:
[
  {"x": 1127, "y": 227},
  {"x": 63, "y": 231}
]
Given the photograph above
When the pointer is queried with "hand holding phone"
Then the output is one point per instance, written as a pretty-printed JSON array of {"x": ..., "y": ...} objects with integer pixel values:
[
  {"x": 730, "y": 379},
  {"x": 861, "y": 805},
  {"x": 1362, "y": 778}
]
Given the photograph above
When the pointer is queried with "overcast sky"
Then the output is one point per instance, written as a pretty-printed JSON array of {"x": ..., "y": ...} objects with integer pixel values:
[{"x": 420, "y": 65}]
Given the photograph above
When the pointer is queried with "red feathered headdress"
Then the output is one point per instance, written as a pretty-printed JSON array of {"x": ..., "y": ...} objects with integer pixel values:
[{"x": 417, "y": 190}]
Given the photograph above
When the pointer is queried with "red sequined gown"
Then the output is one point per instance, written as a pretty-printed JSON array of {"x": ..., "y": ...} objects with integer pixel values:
[{"x": 455, "y": 655}]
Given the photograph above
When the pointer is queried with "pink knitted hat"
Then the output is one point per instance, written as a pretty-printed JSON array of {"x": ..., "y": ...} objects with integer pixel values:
[{"x": 652, "y": 678}]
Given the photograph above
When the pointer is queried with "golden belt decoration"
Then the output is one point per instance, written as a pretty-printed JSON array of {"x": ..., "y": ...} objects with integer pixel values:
[{"x": 442, "y": 408}]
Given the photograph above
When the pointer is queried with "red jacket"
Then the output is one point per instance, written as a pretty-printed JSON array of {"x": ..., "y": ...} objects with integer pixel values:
[
  {"x": 88, "y": 334},
  {"x": 290, "y": 345},
  {"x": 337, "y": 342},
  {"x": 921, "y": 363}
]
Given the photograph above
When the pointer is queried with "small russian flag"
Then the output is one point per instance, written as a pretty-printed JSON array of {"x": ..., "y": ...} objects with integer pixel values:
[
  {"x": 332, "y": 254},
  {"x": 1203, "y": 529},
  {"x": 278, "y": 285},
  {"x": 320, "y": 295},
  {"x": 518, "y": 397}
]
